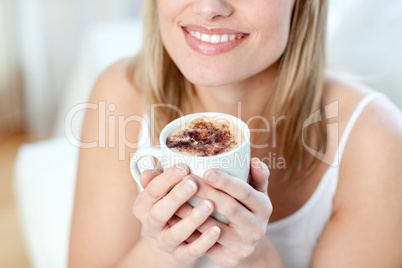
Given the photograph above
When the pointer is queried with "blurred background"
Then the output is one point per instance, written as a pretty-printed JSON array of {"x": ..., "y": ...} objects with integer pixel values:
[
  {"x": 46, "y": 47},
  {"x": 50, "y": 55}
]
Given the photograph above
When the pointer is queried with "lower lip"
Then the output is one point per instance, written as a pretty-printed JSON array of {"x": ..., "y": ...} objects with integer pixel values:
[{"x": 209, "y": 48}]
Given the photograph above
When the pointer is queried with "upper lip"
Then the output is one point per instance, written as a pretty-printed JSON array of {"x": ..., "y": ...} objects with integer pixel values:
[{"x": 208, "y": 30}]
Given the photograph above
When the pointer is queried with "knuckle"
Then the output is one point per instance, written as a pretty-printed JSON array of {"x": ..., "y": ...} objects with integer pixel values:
[
  {"x": 153, "y": 193},
  {"x": 256, "y": 234},
  {"x": 268, "y": 210},
  {"x": 176, "y": 194},
  {"x": 223, "y": 179},
  {"x": 174, "y": 237},
  {"x": 194, "y": 252},
  {"x": 156, "y": 218},
  {"x": 231, "y": 209},
  {"x": 244, "y": 193}
]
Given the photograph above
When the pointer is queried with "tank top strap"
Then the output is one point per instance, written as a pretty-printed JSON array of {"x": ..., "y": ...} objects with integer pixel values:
[{"x": 352, "y": 121}]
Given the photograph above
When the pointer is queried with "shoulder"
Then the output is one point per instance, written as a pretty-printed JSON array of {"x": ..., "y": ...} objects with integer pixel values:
[
  {"x": 110, "y": 130},
  {"x": 116, "y": 83},
  {"x": 379, "y": 125},
  {"x": 117, "y": 102},
  {"x": 371, "y": 162},
  {"x": 364, "y": 229},
  {"x": 116, "y": 92}
]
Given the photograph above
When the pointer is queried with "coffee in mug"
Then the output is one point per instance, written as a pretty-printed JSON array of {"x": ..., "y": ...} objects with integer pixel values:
[
  {"x": 201, "y": 141},
  {"x": 205, "y": 136}
]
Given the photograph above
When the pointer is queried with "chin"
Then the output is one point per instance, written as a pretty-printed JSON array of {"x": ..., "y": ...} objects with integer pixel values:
[
  {"x": 209, "y": 79},
  {"x": 207, "y": 82}
]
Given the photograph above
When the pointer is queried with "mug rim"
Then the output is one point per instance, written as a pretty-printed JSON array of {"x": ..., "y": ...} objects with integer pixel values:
[{"x": 179, "y": 121}]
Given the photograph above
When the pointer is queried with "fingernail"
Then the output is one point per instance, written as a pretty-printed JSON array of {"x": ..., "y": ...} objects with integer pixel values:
[
  {"x": 189, "y": 187},
  {"x": 215, "y": 231},
  {"x": 255, "y": 162},
  {"x": 211, "y": 176},
  {"x": 181, "y": 169},
  {"x": 265, "y": 168},
  {"x": 205, "y": 207}
]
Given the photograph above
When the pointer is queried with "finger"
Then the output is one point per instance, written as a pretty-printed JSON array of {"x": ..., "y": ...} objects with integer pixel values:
[
  {"x": 162, "y": 184},
  {"x": 224, "y": 257},
  {"x": 184, "y": 210},
  {"x": 192, "y": 251},
  {"x": 184, "y": 228},
  {"x": 225, "y": 238},
  {"x": 234, "y": 187},
  {"x": 158, "y": 187},
  {"x": 164, "y": 209},
  {"x": 254, "y": 206},
  {"x": 259, "y": 175},
  {"x": 148, "y": 175},
  {"x": 194, "y": 236}
]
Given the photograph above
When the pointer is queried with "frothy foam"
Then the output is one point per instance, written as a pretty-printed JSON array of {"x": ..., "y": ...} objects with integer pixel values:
[{"x": 205, "y": 136}]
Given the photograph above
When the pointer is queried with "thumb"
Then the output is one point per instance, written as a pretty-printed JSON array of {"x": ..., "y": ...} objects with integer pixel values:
[{"x": 259, "y": 175}]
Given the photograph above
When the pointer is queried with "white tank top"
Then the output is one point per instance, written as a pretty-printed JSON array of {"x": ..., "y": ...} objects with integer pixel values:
[{"x": 295, "y": 237}]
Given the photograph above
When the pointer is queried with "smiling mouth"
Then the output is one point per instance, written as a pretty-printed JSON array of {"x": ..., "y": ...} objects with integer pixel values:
[
  {"x": 212, "y": 42},
  {"x": 216, "y": 38}
]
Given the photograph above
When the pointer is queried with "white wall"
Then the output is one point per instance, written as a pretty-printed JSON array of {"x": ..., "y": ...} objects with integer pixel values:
[
  {"x": 10, "y": 91},
  {"x": 365, "y": 40},
  {"x": 50, "y": 34}
]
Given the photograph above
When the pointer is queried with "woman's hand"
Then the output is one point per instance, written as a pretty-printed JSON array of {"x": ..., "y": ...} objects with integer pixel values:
[
  {"x": 246, "y": 206},
  {"x": 164, "y": 194}
]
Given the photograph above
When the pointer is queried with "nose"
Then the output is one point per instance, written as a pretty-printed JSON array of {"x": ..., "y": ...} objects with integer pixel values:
[{"x": 211, "y": 9}]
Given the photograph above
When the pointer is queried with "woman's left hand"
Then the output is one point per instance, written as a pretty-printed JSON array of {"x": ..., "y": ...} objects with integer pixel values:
[{"x": 246, "y": 206}]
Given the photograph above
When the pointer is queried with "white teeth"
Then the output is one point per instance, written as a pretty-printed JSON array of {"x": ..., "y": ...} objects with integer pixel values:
[
  {"x": 214, "y": 39},
  {"x": 225, "y": 38},
  {"x": 206, "y": 38}
]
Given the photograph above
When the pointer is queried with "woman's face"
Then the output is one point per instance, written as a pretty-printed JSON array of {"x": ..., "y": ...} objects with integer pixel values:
[{"x": 220, "y": 42}]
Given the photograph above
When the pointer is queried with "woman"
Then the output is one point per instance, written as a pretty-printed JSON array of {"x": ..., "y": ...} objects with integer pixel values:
[{"x": 335, "y": 205}]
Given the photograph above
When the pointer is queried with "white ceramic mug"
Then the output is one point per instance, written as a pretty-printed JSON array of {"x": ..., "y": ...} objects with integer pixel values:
[{"x": 235, "y": 162}]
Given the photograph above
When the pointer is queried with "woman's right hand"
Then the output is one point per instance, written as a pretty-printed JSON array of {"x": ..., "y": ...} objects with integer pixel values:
[{"x": 164, "y": 194}]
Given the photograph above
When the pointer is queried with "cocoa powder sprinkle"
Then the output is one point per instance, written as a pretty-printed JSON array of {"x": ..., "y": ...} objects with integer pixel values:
[{"x": 203, "y": 138}]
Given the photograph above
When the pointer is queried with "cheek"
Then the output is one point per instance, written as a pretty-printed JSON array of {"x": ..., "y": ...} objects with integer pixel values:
[
  {"x": 273, "y": 32},
  {"x": 169, "y": 16},
  {"x": 272, "y": 20}
]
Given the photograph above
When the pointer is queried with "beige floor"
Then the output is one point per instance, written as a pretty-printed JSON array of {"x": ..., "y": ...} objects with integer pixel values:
[{"x": 12, "y": 250}]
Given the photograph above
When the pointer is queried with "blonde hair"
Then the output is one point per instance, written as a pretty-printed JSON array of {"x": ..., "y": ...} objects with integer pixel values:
[{"x": 298, "y": 92}]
